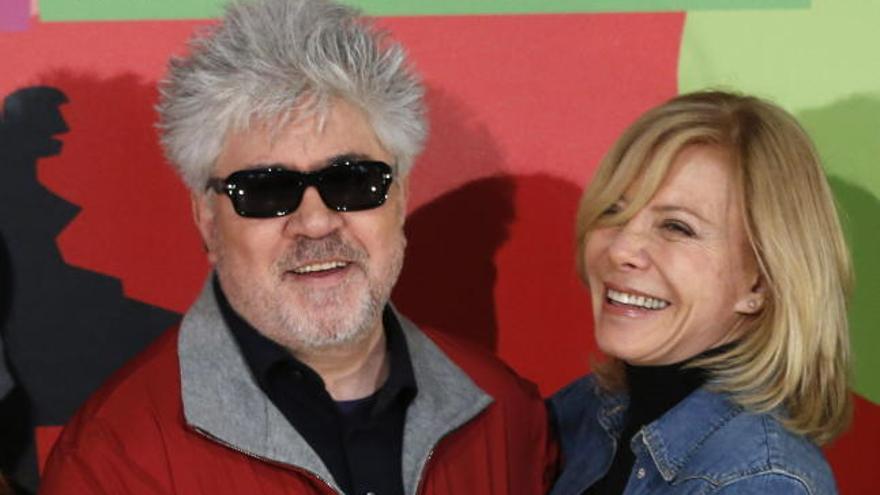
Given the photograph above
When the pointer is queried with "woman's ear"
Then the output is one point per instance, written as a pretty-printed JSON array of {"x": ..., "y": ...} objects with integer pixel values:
[{"x": 752, "y": 302}]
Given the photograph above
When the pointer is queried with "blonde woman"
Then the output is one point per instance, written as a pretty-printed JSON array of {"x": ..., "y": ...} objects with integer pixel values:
[{"x": 719, "y": 279}]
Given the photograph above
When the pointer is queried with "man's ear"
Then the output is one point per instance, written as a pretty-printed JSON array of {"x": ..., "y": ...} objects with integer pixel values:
[
  {"x": 203, "y": 216},
  {"x": 403, "y": 189},
  {"x": 752, "y": 302}
]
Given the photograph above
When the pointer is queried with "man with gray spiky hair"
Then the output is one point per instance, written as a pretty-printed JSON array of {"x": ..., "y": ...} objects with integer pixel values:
[{"x": 294, "y": 123}]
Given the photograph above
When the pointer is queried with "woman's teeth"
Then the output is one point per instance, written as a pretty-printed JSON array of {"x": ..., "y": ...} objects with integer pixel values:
[{"x": 634, "y": 300}]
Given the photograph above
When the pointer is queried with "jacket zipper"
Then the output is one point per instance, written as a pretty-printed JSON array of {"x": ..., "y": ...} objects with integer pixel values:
[
  {"x": 418, "y": 489},
  {"x": 263, "y": 459},
  {"x": 424, "y": 468}
]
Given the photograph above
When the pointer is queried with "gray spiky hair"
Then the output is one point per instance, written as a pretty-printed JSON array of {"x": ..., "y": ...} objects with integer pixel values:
[{"x": 269, "y": 59}]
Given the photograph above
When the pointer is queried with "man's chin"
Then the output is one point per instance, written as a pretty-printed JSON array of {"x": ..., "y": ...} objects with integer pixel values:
[
  {"x": 326, "y": 323},
  {"x": 318, "y": 334},
  {"x": 314, "y": 298}
]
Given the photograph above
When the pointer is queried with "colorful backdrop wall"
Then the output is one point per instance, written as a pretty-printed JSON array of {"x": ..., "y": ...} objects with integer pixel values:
[{"x": 98, "y": 251}]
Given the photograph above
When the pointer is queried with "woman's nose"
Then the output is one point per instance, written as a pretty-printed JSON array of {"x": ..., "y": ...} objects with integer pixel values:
[{"x": 628, "y": 248}]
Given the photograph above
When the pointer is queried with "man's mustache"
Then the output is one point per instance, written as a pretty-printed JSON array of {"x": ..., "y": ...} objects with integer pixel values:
[{"x": 307, "y": 249}]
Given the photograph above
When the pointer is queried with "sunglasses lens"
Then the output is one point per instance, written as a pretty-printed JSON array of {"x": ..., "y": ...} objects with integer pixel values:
[
  {"x": 354, "y": 186},
  {"x": 265, "y": 193},
  {"x": 276, "y": 191}
]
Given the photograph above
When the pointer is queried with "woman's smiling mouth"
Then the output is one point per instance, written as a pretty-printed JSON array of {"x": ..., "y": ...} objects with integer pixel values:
[{"x": 617, "y": 297}]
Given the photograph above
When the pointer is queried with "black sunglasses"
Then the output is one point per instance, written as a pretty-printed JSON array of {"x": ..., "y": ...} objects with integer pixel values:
[{"x": 274, "y": 191}]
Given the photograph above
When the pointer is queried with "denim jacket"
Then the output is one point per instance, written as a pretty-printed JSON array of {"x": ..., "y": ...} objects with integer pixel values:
[{"x": 704, "y": 444}]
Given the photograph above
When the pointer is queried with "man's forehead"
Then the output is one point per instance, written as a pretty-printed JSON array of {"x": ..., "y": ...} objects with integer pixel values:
[
  {"x": 350, "y": 156},
  {"x": 307, "y": 143}
]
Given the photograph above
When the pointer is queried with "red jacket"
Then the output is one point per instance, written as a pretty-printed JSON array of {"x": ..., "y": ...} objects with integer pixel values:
[{"x": 150, "y": 430}]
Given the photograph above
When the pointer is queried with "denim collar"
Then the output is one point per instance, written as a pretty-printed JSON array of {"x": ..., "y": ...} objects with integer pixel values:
[
  {"x": 612, "y": 410},
  {"x": 673, "y": 439},
  {"x": 589, "y": 421},
  {"x": 705, "y": 440}
]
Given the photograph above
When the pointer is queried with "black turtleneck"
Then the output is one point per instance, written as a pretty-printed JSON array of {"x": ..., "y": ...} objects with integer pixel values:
[{"x": 653, "y": 390}]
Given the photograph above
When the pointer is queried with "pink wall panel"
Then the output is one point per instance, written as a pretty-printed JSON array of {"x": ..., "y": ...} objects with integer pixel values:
[{"x": 14, "y": 15}]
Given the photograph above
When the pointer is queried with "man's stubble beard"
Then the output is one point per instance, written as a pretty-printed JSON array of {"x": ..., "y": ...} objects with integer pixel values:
[{"x": 302, "y": 320}]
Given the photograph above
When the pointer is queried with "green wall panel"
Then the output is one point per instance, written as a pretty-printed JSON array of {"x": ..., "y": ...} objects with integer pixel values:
[
  {"x": 822, "y": 65},
  {"x": 66, "y": 10}
]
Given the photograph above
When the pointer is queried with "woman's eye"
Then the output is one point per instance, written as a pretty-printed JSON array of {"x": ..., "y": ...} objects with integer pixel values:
[
  {"x": 679, "y": 227},
  {"x": 612, "y": 210}
]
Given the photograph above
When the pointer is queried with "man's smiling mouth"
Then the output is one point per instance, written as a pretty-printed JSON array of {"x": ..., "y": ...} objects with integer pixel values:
[{"x": 320, "y": 267}]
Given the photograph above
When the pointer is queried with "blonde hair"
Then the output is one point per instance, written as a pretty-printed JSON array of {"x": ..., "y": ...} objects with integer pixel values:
[{"x": 792, "y": 359}]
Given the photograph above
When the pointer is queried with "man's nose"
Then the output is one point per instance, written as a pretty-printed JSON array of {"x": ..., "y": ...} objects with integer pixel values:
[{"x": 313, "y": 218}]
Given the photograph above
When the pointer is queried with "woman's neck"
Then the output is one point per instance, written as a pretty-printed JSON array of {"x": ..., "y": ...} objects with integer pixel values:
[{"x": 654, "y": 390}]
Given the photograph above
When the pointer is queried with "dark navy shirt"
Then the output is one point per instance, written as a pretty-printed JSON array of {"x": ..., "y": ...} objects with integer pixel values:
[{"x": 359, "y": 441}]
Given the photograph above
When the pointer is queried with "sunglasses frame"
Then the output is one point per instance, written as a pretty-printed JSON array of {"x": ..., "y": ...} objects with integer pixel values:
[{"x": 305, "y": 180}]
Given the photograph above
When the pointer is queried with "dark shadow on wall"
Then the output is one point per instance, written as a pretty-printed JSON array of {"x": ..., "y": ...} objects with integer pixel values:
[
  {"x": 860, "y": 214},
  {"x": 449, "y": 274},
  {"x": 492, "y": 262},
  {"x": 134, "y": 220},
  {"x": 64, "y": 329},
  {"x": 490, "y": 256}
]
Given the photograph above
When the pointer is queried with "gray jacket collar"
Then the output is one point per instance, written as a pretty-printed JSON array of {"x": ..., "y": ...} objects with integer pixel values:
[{"x": 222, "y": 400}]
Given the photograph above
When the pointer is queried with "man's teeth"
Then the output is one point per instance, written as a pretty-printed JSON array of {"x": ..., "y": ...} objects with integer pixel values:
[
  {"x": 634, "y": 300},
  {"x": 320, "y": 267}
]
